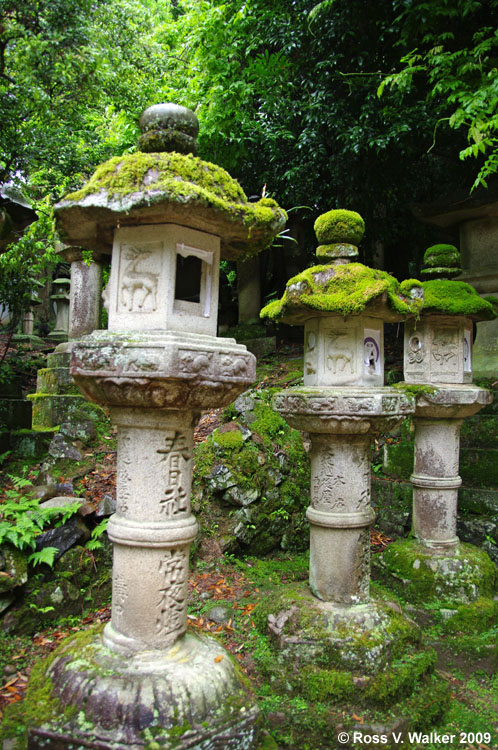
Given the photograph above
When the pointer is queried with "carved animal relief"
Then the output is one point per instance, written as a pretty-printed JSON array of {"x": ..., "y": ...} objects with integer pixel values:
[{"x": 139, "y": 278}]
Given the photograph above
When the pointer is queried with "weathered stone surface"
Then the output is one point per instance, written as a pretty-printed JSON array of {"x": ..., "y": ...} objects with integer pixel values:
[
  {"x": 61, "y": 448},
  {"x": 160, "y": 369},
  {"x": 343, "y": 410},
  {"x": 13, "y": 568},
  {"x": 63, "y": 537},
  {"x": 61, "y": 501},
  {"x": 106, "y": 507},
  {"x": 121, "y": 702},
  {"x": 79, "y": 428},
  {"x": 420, "y": 575}
]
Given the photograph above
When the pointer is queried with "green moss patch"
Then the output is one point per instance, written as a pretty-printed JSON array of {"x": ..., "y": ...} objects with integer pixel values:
[
  {"x": 340, "y": 225},
  {"x": 419, "y": 576},
  {"x": 455, "y": 298},
  {"x": 148, "y": 178},
  {"x": 344, "y": 290}
]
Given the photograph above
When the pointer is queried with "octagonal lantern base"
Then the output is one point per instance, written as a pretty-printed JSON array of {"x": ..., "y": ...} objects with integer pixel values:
[
  {"x": 190, "y": 696},
  {"x": 458, "y": 575}
]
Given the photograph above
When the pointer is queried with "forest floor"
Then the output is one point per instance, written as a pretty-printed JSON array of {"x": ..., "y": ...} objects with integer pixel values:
[{"x": 467, "y": 664}]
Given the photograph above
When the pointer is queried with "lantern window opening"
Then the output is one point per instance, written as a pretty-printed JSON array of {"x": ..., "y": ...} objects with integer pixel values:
[{"x": 193, "y": 280}]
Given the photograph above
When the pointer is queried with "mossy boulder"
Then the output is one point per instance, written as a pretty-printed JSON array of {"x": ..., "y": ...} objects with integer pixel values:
[
  {"x": 251, "y": 481},
  {"x": 422, "y": 576},
  {"x": 351, "y": 289},
  {"x": 339, "y": 225},
  {"x": 162, "y": 188}
]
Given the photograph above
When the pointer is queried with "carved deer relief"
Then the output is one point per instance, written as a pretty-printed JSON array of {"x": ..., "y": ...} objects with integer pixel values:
[
  {"x": 138, "y": 285},
  {"x": 339, "y": 357}
]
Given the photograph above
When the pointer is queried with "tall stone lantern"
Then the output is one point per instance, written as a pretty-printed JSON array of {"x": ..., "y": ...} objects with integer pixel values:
[
  {"x": 169, "y": 217},
  {"x": 343, "y": 306},
  {"x": 438, "y": 368}
]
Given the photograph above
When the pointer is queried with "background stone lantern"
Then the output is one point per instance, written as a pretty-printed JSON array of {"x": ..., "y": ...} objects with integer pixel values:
[
  {"x": 61, "y": 300},
  {"x": 169, "y": 217},
  {"x": 438, "y": 368},
  {"x": 338, "y": 635}
]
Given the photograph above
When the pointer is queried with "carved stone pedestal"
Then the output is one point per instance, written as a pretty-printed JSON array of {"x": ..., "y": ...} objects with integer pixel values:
[
  {"x": 341, "y": 422},
  {"x": 145, "y": 677},
  {"x": 435, "y": 564}
]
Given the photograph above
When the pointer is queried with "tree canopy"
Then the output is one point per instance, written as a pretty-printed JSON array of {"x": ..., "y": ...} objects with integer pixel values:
[{"x": 339, "y": 103}]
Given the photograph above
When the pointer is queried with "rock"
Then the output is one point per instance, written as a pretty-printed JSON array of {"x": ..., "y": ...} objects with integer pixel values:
[
  {"x": 60, "y": 448},
  {"x": 221, "y": 478},
  {"x": 79, "y": 428},
  {"x": 237, "y": 496},
  {"x": 9, "y": 669},
  {"x": 62, "y": 501},
  {"x": 64, "y": 537},
  {"x": 13, "y": 568},
  {"x": 244, "y": 403},
  {"x": 106, "y": 507},
  {"x": 5, "y": 601},
  {"x": 64, "y": 488},
  {"x": 219, "y": 614},
  {"x": 41, "y": 491}
]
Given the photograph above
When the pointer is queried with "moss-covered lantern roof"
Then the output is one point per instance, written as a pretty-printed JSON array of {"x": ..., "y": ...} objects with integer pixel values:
[
  {"x": 167, "y": 187},
  {"x": 341, "y": 287},
  {"x": 445, "y": 296}
]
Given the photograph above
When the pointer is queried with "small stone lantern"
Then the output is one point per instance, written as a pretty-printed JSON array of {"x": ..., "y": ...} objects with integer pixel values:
[
  {"x": 61, "y": 301},
  {"x": 438, "y": 361},
  {"x": 168, "y": 217},
  {"x": 343, "y": 305}
]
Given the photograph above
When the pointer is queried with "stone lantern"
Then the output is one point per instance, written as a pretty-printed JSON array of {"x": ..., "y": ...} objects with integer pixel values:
[
  {"x": 343, "y": 305},
  {"x": 169, "y": 217},
  {"x": 438, "y": 368},
  {"x": 61, "y": 301}
]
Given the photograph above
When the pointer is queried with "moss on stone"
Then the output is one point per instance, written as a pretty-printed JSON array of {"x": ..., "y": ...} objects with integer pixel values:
[
  {"x": 340, "y": 225},
  {"x": 455, "y": 298},
  {"x": 442, "y": 255},
  {"x": 180, "y": 178},
  {"x": 344, "y": 290},
  {"x": 475, "y": 617},
  {"x": 421, "y": 576},
  {"x": 228, "y": 440}
]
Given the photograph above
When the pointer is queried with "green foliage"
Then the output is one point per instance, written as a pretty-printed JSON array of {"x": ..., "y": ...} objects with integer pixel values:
[
  {"x": 22, "y": 520},
  {"x": 25, "y": 260},
  {"x": 453, "y": 48},
  {"x": 94, "y": 541}
]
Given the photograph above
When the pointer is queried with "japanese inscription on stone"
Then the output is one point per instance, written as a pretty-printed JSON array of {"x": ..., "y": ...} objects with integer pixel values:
[
  {"x": 173, "y": 568},
  {"x": 175, "y": 455}
]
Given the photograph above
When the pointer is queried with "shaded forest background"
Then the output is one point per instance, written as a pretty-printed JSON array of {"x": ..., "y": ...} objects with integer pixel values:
[{"x": 343, "y": 103}]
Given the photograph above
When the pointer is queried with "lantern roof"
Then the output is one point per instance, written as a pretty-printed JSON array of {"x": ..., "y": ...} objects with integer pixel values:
[
  {"x": 167, "y": 186},
  {"x": 341, "y": 287}
]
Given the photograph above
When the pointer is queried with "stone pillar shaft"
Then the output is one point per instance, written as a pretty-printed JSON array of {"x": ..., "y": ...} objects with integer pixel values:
[
  {"x": 152, "y": 528},
  {"x": 340, "y": 516},
  {"x": 436, "y": 481},
  {"x": 85, "y": 298}
]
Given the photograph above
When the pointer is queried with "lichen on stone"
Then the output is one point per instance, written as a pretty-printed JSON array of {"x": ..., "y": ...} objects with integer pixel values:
[
  {"x": 345, "y": 290},
  {"x": 455, "y": 298}
]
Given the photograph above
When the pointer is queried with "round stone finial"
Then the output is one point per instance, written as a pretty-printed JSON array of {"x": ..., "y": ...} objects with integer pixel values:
[
  {"x": 441, "y": 261},
  {"x": 168, "y": 127},
  {"x": 340, "y": 231}
]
